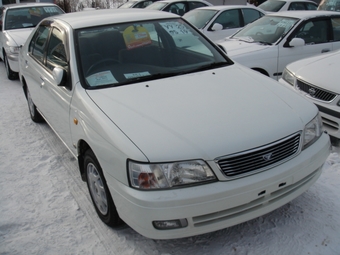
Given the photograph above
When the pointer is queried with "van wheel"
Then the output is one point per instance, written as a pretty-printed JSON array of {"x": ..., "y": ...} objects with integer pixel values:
[
  {"x": 10, "y": 74},
  {"x": 99, "y": 191}
]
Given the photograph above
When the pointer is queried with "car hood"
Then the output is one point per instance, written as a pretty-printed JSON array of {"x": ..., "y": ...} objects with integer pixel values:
[
  {"x": 204, "y": 115},
  {"x": 19, "y": 36},
  {"x": 235, "y": 47},
  {"x": 321, "y": 70}
]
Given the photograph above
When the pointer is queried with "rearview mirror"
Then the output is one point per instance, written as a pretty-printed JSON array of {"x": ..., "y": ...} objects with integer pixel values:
[
  {"x": 295, "y": 42},
  {"x": 59, "y": 76},
  {"x": 217, "y": 27}
]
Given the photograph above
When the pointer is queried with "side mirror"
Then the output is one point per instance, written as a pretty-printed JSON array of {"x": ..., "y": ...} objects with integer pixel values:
[
  {"x": 217, "y": 27},
  {"x": 296, "y": 42},
  {"x": 60, "y": 76}
]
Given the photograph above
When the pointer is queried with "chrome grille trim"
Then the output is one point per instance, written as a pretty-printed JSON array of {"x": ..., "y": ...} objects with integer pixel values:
[
  {"x": 315, "y": 92},
  {"x": 253, "y": 161}
]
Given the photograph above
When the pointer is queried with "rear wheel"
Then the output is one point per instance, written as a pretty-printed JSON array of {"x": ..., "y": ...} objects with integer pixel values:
[
  {"x": 35, "y": 115},
  {"x": 10, "y": 74},
  {"x": 99, "y": 191}
]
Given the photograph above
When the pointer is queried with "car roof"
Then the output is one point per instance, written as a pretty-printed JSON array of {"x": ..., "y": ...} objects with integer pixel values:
[
  {"x": 309, "y": 1},
  {"x": 110, "y": 16},
  {"x": 171, "y": 1},
  {"x": 304, "y": 14},
  {"x": 227, "y": 7},
  {"x": 21, "y": 5}
]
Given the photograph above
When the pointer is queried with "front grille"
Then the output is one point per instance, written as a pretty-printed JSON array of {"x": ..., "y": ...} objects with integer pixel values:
[
  {"x": 315, "y": 92},
  {"x": 261, "y": 158}
]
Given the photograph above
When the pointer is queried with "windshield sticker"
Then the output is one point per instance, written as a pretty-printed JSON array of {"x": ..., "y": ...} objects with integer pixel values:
[
  {"x": 50, "y": 9},
  {"x": 102, "y": 78},
  {"x": 136, "y": 36},
  {"x": 175, "y": 28},
  {"x": 34, "y": 12},
  {"x": 136, "y": 75}
]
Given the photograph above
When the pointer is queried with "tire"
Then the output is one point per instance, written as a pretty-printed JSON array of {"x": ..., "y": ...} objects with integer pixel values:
[
  {"x": 35, "y": 115},
  {"x": 10, "y": 74},
  {"x": 99, "y": 191}
]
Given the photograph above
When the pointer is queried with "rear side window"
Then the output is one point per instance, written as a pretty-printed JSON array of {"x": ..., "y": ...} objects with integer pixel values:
[
  {"x": 249, "y": 15},
  {"x": 336, "y": 28}
]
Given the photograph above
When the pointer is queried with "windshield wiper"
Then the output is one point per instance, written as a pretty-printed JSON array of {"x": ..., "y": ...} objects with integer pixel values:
[
  {"x": 209, "y": 66},
  {"x": 263, "y": 42}
]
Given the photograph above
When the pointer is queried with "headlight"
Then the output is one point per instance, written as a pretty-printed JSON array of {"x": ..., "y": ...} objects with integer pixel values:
[
  {"x": 14, "y": 49},
  {"x": 312, "y": 132},
  {"x": 168, "y": 175},
  {"x": 288, "y": 77}
]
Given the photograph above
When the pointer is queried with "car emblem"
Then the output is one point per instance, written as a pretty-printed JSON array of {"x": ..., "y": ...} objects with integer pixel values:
[
  {"x": 312, "y": 91},
  {"x": 267, "y": 157}
]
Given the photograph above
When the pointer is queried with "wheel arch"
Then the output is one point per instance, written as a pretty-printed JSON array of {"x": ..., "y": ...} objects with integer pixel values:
[{"x": 83, "y": 146}]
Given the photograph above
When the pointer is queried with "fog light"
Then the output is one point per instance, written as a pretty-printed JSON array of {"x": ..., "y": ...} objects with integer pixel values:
[{"x": 170, "y": 224}]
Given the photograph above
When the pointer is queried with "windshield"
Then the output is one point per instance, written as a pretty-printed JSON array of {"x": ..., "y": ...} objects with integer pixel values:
[
  {"x": 266, "y": 30},
  {"x": 128, "y": 53},
  {"x": 156, "y": 6},
  {"x": 29, "y": 17},
  {"x": 199, "y": 18},
  {"x": 272, "y": 6},
  {"x": 330, "y": 5},
  {"x": 128, "y": 4}
]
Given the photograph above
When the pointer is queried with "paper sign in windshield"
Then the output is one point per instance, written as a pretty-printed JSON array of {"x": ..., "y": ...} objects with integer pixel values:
[
  {"x": 34, "y": 12},
  {"x": 136, "y": 75},
  {"x": 136, "y": 36},
  {"x": 175, "y": 28},
  {"x": 102, "y": 78}
]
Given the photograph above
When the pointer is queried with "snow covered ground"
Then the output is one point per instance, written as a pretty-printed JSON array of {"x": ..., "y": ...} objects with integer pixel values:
[{"x": 45, "y": 208}]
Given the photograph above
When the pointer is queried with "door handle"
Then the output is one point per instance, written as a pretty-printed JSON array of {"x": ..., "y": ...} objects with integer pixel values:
[
  {"x": 42, "y": 81},
  {"x": 325, "y": 50}
]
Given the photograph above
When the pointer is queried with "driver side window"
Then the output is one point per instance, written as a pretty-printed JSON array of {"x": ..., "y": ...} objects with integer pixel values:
[
  {"x": 229, "y": 19},
  {"x": 38, "y": 44},
  {"x": 314, "y": 32},
  {"x": 56, "y": 54}
]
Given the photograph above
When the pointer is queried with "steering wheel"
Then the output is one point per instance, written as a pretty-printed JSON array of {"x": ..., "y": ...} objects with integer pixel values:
[{"x": 101, "y": 63}]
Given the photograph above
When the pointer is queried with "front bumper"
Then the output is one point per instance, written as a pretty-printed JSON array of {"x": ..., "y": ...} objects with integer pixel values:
[
  {"x": 13, "y": 61},
  {"x": 330, "y": 112},
  {"x": 221, "y": 204}
]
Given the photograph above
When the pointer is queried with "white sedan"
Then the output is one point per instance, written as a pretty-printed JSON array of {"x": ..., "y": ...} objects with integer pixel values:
[
  {"x": 317, "y": 78},
  {"x": 218, "y": 22},
  {"x": 17, "y": 22},
  {"x": 288, "y": 5},
  {"x": 175, "y": 140},
  {"x": 179, "y": 7},
  {"x": 270, "y": 43}
]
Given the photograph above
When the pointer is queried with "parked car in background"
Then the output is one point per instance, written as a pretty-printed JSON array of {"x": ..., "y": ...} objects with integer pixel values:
[
  {"x": 179, "y": 7},
  {"x": 175, "y": 140},
  {"x": 317, "y": 78},
  {"x": 270, "y": 43},
  {"x": 218, "y": 22},
  {"x": 288, "y": 5},
  {"x": 18, "y": 21},
  {"x": 136, "y": 4},
  {"x": 329, "y": 5}
]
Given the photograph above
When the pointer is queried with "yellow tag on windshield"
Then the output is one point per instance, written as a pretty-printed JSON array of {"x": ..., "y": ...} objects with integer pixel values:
[{"x": 135, "y": 37}]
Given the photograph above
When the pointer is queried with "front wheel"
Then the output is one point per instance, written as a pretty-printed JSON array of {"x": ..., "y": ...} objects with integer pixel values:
[
  {"x": 10, "y": 74},
  {"x": 99, "y": 191}
]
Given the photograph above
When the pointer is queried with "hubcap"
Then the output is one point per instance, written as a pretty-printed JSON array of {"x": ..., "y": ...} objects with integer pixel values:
[{"x": 97, "y": 188}]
